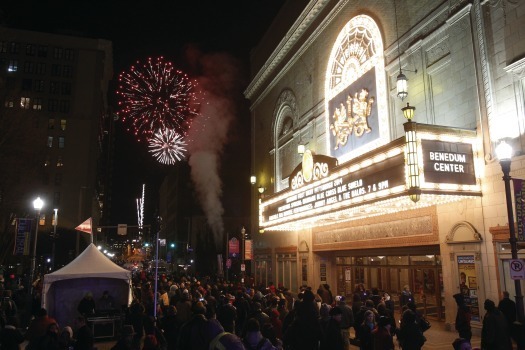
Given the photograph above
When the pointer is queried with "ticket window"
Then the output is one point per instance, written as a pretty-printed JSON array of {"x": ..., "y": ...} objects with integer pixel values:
[{"x": 468, "y": 283}]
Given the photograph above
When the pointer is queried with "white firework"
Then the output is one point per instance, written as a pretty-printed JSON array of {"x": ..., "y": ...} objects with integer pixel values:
[{"x": 167, "y": 146}]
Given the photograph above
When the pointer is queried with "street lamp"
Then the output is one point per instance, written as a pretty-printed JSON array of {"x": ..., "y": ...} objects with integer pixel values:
[
  {"x": 37, "y": 204},
  {"x": 55, "y": 222},
  {"x": 504, "y": 154}
]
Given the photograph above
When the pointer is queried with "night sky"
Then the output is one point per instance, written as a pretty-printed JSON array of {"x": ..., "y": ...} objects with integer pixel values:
[{"x": 159, "y": 28}]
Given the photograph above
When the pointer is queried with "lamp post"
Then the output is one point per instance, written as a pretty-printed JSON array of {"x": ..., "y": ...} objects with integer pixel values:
[
  {"x": 55, "y": 223},
  {"x": 37, "y": 204},
  {"x": 504, "y": 153}
]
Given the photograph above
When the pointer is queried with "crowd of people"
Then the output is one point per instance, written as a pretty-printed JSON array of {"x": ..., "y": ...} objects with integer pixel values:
[{"x": 188, "y": 313}]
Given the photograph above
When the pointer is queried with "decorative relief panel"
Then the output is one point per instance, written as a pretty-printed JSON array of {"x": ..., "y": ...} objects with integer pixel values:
[
  {"x": 403, "y": 228},
  {"x": 437, "y": 51}
]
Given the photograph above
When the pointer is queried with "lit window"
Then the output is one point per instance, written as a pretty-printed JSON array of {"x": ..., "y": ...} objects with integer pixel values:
[
  {"x": 51, "y": 124},
  {"x": 59, "y": 162},
  {"x": 42, "y": 220},
  {"x": 37, "y": 104},
  {"x": 25, "y": 102},
  {"x": 13, "y": 66},
  {"x": 50, "y": 141},
  {"x": 9, "y": 103},
  {"x": 61, "y": 142},
  {"x": 63, "y": 124}
]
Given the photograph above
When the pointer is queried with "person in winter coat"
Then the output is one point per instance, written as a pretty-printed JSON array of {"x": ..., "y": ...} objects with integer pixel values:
[
  {"x": 347, "y": 319},
  {"x": 463, "y": 317},
  {"x": 406, "y": 296},
  {"x": 409, "y": 334},
  {"x": 365, "y": 331},
  {"x": 253, "y": 338},
  {"x": 381, "y": 336},
  {"x": 332, "y": 338},
  {"x": 495, "y": 333}
]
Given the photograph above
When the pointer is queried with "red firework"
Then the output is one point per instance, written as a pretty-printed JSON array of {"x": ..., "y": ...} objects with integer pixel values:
[{"x": 156, "y": 96}]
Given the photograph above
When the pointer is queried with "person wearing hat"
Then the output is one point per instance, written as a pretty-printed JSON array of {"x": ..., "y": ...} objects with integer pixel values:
[
  {"x": 495, "y": 331},
  {"x": 463, "y": 317},
  {"x": 381, "y": 336}
]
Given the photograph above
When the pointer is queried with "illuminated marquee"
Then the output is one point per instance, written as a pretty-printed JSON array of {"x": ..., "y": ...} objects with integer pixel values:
[{"x": 344, "y": 189}]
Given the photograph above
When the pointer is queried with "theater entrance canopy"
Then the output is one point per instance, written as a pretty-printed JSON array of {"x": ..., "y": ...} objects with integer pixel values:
[{"x": 322, "y": 192}]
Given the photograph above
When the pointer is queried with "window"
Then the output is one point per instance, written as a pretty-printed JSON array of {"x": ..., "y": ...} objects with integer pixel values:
[
  {"x": 285, "y": 149},
  {"x": 63, "y": 124},
  {"x": 67, "y": 71},
  {"x": 56, "y": 70},
  {"x": 51, "y": 123},
  {"x": 59, "y": 162},
  {"x": 54, "y": 87},
  {"x": 13, "y": 66},
  {"x": 64, "y": 106},
  {"x": 56, "y": 199},
  {"x": 40, "y": 68},
  {"x": 25, "y": 102},
  {"x": 50, "y": 141},
  {"x": 61, "y": 142},
  {"x": 14, "y": 47},
  {"x": 27, "y": 84},
  {"x": 29, "y": 67},
  {"x": 53, "y": 105},
  {"x": 39, "y": 85},
  {"x": 37, "y": 104},
  {"x": 58, "y": 53},
  {"x": 9, "y": 103},
  {"x": 286, "y": 273},
  {"x": 42, "y": 51},
  {"x": 66, "y": 88},
  {"x": 47, "y": 162},
  {"x": 3, "y": 46},
  {"x": 68, "y": 54},
  {"x": 30, "y": 50},
  {"x": 58, "y": 179}
]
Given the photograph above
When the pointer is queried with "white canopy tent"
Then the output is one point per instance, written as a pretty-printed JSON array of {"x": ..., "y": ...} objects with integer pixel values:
[{"x": 91, "y": 271}]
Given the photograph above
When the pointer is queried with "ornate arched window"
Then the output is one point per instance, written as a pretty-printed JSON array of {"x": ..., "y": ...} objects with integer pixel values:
[
  {"x": 285, "y": 115},
  {"x": 356, "y": 91}
]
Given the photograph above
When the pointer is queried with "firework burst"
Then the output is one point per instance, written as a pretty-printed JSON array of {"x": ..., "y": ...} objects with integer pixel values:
[
  {"x": 156, "y": 96},
  {"x": 167, "y": 146}
]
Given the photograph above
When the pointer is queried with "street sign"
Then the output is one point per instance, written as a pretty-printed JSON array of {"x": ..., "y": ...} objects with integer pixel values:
[
  {"x": 517, "y": 269},
  {"x": 243, "y": 267}
]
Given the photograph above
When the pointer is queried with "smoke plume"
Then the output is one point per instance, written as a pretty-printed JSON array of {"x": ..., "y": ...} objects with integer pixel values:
[{"x": 208, "y": 134}]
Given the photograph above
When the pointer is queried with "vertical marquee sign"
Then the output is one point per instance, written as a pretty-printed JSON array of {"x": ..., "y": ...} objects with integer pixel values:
[
  {"x": 519, "y": 198},
  {"x": 22, "y": 238}
]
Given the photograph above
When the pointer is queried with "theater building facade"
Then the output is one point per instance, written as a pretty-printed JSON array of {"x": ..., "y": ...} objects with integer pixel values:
[{"x": 356, "y": 182}]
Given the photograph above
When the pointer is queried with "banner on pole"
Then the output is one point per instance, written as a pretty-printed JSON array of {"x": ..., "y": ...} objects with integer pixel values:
[
  {"x": 85, "y": 226},
  {"x": 22, "y": 237},
  {"x": 519, "y": 200},
  {"x": 233, "y": 247},
  {"x": 248, "y": 252}
]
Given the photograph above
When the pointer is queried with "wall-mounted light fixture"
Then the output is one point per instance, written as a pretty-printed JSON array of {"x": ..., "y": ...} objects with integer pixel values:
[
  {"x": 261, "y": 189},
  {"x": 402, "y": 81},
  {"x": 253, "y": 179},
  {"x": 411, "y": 154}
]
